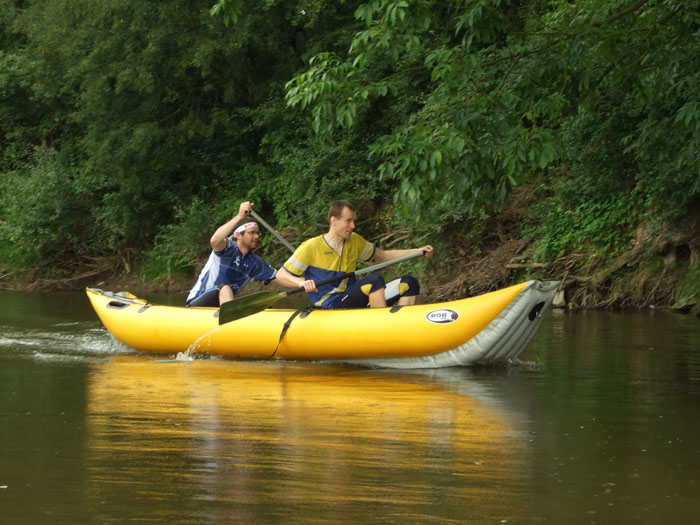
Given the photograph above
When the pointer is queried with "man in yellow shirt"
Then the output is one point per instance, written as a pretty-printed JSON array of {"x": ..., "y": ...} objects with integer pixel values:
[{"x": 338, "y": 252}]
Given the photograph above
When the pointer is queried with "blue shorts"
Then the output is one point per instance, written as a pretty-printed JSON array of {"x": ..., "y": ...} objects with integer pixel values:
[{"x": 357, "y": 294}]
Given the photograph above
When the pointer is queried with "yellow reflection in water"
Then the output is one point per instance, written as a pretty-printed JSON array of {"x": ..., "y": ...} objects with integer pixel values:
[{"x": 321, "y": 439}]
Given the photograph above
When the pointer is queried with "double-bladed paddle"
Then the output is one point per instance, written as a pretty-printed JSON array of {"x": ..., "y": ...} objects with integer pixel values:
[{"x": 256, "y": 302}]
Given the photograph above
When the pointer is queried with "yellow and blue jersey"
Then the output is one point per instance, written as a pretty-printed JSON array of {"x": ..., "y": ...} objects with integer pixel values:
[{"x": 316, "y": 260}]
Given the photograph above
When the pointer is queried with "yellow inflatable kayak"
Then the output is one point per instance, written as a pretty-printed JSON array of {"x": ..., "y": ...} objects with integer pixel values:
[{"x": 494, "y": 327}]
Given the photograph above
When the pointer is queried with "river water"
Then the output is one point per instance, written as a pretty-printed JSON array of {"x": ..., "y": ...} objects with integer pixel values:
[{"x": 600, "y": 423}]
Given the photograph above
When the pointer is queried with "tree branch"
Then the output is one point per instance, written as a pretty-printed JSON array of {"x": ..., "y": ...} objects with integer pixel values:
[{"x": 622, "y": 13}]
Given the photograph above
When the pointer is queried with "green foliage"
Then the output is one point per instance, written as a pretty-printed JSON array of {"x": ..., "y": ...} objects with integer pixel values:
[
  {"x": 48, "y": 211},
  {"x": 299, "y": 177},
  {"x": 603, "y": 225},
  {"x": 185, "y": 242},
  {"x": 688, "y": 292},
  {"x": 153, "y": 120},
  {"x": 153, "y": 103},
  {"x": 626, "y": 154},
  {"x": 10, "y": 256},
  {"x": 464, "y": 145},
  {"x": 498, "y": 79},
  {"x": 229, "y": 10},
  {"x": 595, "y": 201}
]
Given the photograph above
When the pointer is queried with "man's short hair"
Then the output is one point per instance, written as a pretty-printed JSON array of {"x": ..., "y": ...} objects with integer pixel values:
[{"x": 336, "y": 209}]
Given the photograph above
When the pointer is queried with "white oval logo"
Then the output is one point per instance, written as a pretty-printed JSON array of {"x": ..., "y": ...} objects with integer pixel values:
[{"x": 442, "y": 316}]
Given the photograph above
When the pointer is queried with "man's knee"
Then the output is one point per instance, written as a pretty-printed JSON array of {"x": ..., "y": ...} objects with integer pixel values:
[
  {"x": 372, "y": 283},
  {"x": 410, "y": 285},
  {"x": 225, "y": 293},
  {"x": 406, "y": 286}
]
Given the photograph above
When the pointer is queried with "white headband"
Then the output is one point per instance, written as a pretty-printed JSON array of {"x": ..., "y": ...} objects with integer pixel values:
[{"x": 243, "y": 227}]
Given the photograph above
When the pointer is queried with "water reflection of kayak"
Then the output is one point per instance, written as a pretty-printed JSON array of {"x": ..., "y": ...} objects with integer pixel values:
[
  {"x": 491, "y": 328},
  {"x": 328, "y": 437},
  {"x": 238, "y": 396}
]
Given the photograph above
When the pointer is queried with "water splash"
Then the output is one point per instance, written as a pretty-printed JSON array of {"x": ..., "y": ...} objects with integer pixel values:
[{"x": 198, "y": 349}]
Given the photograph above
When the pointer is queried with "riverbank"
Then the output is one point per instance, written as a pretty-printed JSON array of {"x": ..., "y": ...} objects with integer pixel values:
[
  {"x": 659, "y": 267},
  {"x": 659, "y": 272},
  {"x": 36, "y": 280}
]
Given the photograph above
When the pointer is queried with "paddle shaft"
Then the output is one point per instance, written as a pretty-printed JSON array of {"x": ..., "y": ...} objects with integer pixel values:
[{"x": 272, "y": 231}]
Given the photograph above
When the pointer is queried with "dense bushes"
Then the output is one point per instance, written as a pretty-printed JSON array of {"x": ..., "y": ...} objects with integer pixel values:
[{"x": 49, "y": 212}]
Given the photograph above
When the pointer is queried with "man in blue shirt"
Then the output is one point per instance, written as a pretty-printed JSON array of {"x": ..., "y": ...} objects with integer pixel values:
[{"x": 232, "y": 263}]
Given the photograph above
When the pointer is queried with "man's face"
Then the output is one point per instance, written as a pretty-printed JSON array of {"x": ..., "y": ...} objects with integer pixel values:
[
  {"x": 344, "y": 225},
  {"x": 249, "y": 239}
]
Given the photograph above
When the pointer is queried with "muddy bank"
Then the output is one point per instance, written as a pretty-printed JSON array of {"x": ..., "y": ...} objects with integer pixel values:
[{"x": 34, "y": 280}]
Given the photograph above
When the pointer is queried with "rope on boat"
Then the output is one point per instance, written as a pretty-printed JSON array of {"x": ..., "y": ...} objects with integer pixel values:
[{"x": 287, "y": 325}]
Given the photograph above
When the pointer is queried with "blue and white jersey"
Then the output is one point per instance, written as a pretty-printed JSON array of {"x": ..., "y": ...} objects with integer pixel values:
[{"x": 231, "y": 267}]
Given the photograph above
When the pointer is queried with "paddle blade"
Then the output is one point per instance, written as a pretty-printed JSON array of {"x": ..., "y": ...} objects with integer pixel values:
[{"x": 247, "y": 305}]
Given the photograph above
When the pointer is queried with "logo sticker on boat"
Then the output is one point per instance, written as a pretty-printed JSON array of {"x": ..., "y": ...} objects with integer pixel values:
[{"x": 442, "y": 316}]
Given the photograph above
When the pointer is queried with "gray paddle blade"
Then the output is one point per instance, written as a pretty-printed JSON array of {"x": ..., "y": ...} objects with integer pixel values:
[{"x": 247, "y": 305}]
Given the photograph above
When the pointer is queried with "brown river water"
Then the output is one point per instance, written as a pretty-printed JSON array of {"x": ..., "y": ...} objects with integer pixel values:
[{"x": 598, "y": 423}]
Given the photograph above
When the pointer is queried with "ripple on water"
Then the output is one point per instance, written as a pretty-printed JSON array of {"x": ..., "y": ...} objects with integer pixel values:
[{"x": 62, "y": 342}]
